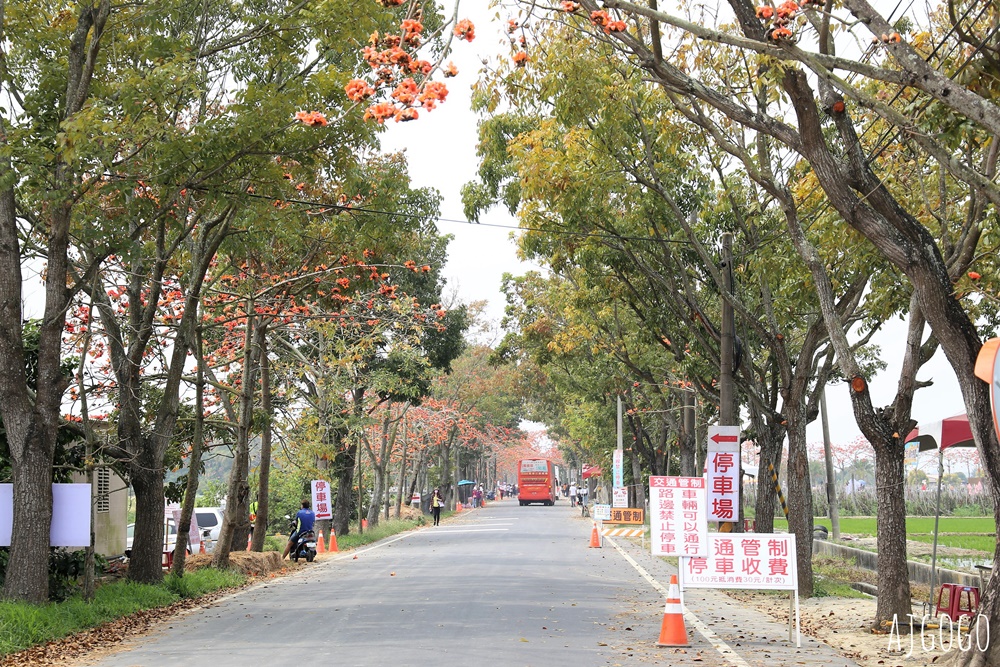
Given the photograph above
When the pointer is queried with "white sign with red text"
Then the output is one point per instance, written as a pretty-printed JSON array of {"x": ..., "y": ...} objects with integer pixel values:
[
  {"x": 321, "y": 501},
  {"x": 749, "y": 560},
  {"x": 677, "y": 522},
  {"x": 723, "y": 469}
]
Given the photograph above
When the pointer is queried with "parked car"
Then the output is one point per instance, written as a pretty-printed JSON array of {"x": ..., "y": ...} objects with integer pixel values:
[
  {"x": 209, "y": 523},
  {"x": 170, "y": 537}
]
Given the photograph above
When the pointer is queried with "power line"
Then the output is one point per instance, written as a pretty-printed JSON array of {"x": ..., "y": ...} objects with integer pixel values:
[{"x": 344, "y": 208}]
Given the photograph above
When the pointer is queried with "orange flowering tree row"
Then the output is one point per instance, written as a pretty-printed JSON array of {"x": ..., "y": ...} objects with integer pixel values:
[{"x": 171, "y": 170}]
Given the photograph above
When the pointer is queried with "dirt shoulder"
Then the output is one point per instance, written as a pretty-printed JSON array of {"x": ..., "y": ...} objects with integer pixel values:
[{"x": 844, "y": 624}]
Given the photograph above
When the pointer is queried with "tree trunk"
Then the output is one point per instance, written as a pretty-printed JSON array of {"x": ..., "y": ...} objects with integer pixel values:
[
  {"x": 264, "y": 472},
  {"x": 375, "y": 508},
  {"x": 893, "y": 576},
  {"x": 28, "y": 570},
  {"x": 800, "y": 514},
  {"x": 146, "y": 564},
  {"x": 402, "y": 474},
  {"x": 765, "y": 504},
  {"x": 686, "y": 440},
  {"x": 638, "y": 487},
  {"x": 235, "y": 526},
  {"x": 344, "y": 462},
  {"x": 194, "y": 464},
  {"x": 343, "y": 472}
]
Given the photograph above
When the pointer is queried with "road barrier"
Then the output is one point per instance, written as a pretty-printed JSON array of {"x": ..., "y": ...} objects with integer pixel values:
[
  {"x": 595, "y": 538},
  {"x": 623, "y": 532},
  {"x": 672, "y": 630}
]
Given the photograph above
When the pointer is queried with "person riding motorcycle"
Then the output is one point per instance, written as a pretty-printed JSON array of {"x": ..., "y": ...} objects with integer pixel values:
[{"x": 304, "y": 521}]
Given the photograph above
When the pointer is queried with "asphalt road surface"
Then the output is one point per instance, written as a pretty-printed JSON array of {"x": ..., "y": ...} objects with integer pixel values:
[{"x": 503, "y": 585}]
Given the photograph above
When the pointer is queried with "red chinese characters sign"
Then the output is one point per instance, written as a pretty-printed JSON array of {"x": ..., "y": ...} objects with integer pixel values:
[
  {"x": 723, "y": 468},
  {"x": 321, "y": 500},
  {"x": 752, "y": 560},
  {"x": 677, "y": 516}
]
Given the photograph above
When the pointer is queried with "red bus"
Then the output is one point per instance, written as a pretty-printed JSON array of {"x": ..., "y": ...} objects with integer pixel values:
[{"x": 536, "y": 481}]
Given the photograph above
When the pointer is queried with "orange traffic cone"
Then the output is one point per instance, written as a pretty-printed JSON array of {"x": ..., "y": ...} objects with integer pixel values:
[
  {"x": 672, "y": 630},
  {"x": 320, "y": 546},
  {"x": 333, "y": 542},
  {"x": 458, "y": 507},
  {"x": 595, "y": 538},
  {"x": 201, "y": 550}
]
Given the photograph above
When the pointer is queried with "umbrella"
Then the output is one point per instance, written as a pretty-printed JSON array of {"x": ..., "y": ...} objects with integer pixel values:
[
  {"x": 466, "y": 482},
  {"x": 950, "y": 432},
  {"x": 940, "y": 435},
  {"x": 591, "y": 471}
]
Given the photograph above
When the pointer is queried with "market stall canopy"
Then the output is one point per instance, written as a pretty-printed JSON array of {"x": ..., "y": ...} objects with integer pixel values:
[
  {"x": 466, "y": 482},
  {"x": 950, "y": 432},
  {"x": 591, "y": 471}
]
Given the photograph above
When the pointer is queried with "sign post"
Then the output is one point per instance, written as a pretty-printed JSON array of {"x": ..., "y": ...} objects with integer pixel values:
[
  {"x": 723, "y": 466},
  {"x": 753, "y": 562},
  {"x": 322, "y": 507},
  {"x": 677, "y": 518}
]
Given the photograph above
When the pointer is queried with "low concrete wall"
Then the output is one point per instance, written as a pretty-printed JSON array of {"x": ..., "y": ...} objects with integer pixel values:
[{"x": 919, "y": 572}]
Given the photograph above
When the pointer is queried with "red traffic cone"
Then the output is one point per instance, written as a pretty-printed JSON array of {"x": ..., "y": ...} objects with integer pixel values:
[
  {"x": 333, "y": 542},
  {"x": 595, "y": 538},
  {"x": 320, "y": 546},
  {"x": 672, "y": 630}
]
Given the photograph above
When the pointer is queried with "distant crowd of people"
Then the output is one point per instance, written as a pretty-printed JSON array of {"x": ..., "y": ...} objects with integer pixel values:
[{"x": 577, "y": 494}]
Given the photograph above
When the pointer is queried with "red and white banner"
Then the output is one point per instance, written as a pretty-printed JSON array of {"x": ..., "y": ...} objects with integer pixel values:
[
  {"x": 321, "y": 501},
  {"x": 752, "y": 560},
  {"x": 723, "y": 469},
  {"x": 677, "y": 516}
]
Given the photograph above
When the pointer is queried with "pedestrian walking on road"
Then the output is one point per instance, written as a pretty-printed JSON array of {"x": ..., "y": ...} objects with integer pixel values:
[
  {"x": 572, "y": 494},
  {"x": 437, "y": 502}
]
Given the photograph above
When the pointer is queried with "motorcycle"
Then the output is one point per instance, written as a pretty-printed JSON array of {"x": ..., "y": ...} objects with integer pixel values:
[{"x": 305, "y": 544}]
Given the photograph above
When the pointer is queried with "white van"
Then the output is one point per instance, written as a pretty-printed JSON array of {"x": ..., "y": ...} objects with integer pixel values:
[{"x": 209, "y": 523}]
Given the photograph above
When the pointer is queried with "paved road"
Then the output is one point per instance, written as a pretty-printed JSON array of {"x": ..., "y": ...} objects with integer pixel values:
[{"x": 503, "y": 585}]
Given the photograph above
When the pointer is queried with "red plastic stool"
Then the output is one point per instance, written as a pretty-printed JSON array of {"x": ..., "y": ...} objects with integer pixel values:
[{"x": 953, "y": 608}]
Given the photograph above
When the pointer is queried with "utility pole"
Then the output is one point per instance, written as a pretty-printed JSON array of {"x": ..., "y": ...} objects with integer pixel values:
[
  {"x": 831, "y": 485},
  {"x": 727, "y": 403}
]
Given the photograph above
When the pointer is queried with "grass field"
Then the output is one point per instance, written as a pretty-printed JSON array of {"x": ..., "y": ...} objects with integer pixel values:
[
  {"x": 23, "y": 625},
  {"x": 963, "y": 532},
  {"x": 866, "y": 525}
]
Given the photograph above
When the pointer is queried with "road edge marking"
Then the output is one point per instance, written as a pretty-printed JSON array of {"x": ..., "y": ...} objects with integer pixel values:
[{"x": 724, "y": 649}]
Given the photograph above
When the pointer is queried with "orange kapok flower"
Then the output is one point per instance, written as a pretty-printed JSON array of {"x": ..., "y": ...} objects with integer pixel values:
[
  {"x": 405, "y": 115},
  {"x": 786, "y": 9},
  {"x": 380, "y": 112},
  {"x": 464, "y": 29},
  {"x": 312, "y": 118},
  {"x": 599, "y": 18},
  {"x": 568, "y": 6},
  {"x": 450, "y": 70},
  {"x": 521, "y": 58},
  {"x": 765, "y": 12},
  {"x": 974, "y": 275},
  {"x": 781, "y": 33},
  {"x": 358, "y": 90}
]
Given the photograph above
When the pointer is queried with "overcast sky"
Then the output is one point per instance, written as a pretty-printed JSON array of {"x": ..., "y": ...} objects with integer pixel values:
[{"x": 441, "y": 151}]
